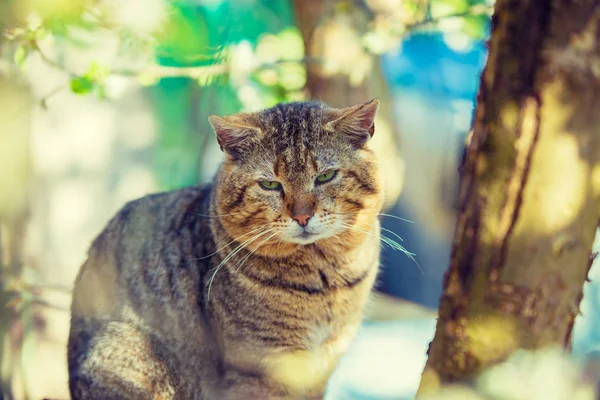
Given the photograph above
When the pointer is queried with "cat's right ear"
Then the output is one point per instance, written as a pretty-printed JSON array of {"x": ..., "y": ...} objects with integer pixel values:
[{"x": 235, "y": 136}]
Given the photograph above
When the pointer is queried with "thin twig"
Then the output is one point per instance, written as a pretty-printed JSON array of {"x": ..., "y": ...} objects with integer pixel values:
[
  {"x": 159, "y": 71},
  {"x": 47, "y": 304}
]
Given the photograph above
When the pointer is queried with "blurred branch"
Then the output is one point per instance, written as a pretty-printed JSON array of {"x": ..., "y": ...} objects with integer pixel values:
[
  {"x": 159, "y": 71},
  {"x": 19, "y": 286},
  {"x": 477, "y": 10},
  {"x": 53, "y": 288},
  {"x": 18, "y": 302},
  {"x": 21, "y": 295},
  {"x": 44, "y": 100},
  {"x": 220, "y": 67}
]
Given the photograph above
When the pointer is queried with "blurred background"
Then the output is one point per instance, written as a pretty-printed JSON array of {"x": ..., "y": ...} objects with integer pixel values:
[{"x": 104, "y": 101}]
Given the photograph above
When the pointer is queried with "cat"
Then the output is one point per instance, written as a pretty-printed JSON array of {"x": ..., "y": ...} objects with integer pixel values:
[{"x": 251, "y": 287}]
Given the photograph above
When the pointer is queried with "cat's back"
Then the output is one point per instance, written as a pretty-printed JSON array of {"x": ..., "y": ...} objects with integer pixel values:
[
  {"x": 136, "y": 296},
  {"x": 138, "y": 258}
]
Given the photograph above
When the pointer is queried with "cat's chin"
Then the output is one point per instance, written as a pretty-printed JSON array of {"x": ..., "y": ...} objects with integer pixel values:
[{"x": 305, "y": 238}]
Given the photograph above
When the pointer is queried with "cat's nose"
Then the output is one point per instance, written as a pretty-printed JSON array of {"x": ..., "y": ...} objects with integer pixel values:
[{"x": 302, "y": 219}]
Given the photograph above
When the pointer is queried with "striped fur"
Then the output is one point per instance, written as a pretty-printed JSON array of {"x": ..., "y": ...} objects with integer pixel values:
[{"x": 158, "y": 314}]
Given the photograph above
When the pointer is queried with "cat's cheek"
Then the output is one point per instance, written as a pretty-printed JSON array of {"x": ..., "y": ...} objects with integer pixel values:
[{"x": 273, "y": 204}]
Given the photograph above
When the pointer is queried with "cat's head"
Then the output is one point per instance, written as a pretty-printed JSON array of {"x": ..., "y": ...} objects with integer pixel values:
[{"x": 298, "y": 173}]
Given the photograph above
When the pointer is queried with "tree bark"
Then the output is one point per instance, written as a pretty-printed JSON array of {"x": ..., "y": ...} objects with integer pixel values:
[
  {"x": 529, "y": 192},
  {"x": 316, "y": 19}
]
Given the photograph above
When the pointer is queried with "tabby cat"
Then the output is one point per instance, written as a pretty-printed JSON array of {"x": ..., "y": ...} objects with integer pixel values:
[{"x": 249, "y": 288}]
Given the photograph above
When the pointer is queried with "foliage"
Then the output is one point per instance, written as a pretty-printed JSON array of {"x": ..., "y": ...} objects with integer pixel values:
[{"x": 252, "y": 44}]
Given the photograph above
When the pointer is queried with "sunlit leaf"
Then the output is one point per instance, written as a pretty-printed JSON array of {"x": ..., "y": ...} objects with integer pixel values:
[
  {"x": 267, "y": 76},
  {"x": 291, "y": 45},
  {"x": 476, "y": 26},
  {"x": 242, "y": 62},
  {"x": 292, "y": 76},
  {"x": 59, "y": 9},
  {"x": 20, "y": 55},
  {"x": 267, "y": 48},
  {"x": 441, "y": 8},
  {"x": 297, "y": 95},
  {"x": 379, "y": 42},
  {"x": 97, "y": 73},
  {"x": 81, "y": 85},
  {"x": 183, "y": 37}
]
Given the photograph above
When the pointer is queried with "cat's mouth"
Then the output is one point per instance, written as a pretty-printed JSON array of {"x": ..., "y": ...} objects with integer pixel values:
[
  {"x": 313, "y": 231},
  {"x": 306, "y": 237}
]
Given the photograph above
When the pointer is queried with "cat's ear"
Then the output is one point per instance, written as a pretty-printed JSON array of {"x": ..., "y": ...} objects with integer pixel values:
[
  {"x": 357, "y": 123},
  {"x": 235, "y": 134}
]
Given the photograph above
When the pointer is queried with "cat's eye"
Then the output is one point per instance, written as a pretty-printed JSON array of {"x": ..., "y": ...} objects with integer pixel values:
[
  {"x": 327, "y": 176},
  {"x": 270, "y": 185}
]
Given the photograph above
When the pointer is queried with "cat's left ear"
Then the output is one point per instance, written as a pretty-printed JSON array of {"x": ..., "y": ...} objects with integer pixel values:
[
  {"x": 357, "y": 123},
  {"x": 235, "y": 134}
]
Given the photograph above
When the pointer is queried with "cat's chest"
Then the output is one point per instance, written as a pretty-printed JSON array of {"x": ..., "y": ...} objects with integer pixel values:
[
  {"x": 331, "y": 323},
  {"x": 311, "y": 314},
  {"x": 310, "y": 368}
]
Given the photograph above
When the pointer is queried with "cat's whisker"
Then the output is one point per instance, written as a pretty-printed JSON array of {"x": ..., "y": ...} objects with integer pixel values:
[
  {"x": 279, "y": 241},
  {"x": 379, "y": 214},
  {"x": 216, "y": 215},
  {"x": 382, "y": 238},
  {"x": 232, "y": 254},
  {"x": 396, "y": 217},
  {"x": 256, "y": 248},
  {"x": 387, "y": 240},
  {"x": 392, "y": 232},
  {"x": 241, "y": 246},
  {"x": 390, "y": 242},
  {"x": 228, "y": 244},
  {"x": 258, "y": 228}
]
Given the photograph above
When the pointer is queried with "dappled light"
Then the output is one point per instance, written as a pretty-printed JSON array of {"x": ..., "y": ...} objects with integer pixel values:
[{"x": 544, "y": 374}]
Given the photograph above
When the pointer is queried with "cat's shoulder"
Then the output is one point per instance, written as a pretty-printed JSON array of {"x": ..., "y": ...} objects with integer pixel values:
[
  {"x": 166, "y": 205},
  {"x": 155, "y": 213},
  {"x": 170, "y": 203}
]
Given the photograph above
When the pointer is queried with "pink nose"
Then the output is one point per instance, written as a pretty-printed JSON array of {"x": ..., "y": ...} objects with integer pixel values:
[{"x": 302, "y": 219}]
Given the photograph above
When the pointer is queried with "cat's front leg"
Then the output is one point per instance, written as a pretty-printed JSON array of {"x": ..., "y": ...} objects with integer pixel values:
[{"x": 116, "y": 360}]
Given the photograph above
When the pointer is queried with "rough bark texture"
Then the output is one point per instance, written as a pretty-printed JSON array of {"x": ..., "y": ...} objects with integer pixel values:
[
  {"x": 337, "y": 90},
  {"x": 529, "y": 191}
]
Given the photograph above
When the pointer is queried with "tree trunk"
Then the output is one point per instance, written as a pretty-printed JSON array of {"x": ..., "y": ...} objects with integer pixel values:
[
  {"x": 330, "y": 80},
  {"x": 529, "y": 191}
]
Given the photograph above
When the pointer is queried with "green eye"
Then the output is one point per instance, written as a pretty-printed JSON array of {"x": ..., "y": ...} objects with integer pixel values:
[
  {"x": 270, "y": 185},
  {"x": 327, "y": 176}
]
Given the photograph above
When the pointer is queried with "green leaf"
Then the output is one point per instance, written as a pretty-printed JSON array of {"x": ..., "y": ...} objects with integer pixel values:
[
  {"x": 20, "y": 55},
  {"x": 81, "y": 85},
  {"x": 96, "y": 72},
  {"x": 442, "y": 8},
  {"x": 92, "y": 80},
  {"x": 476, "y": 26},
  {"x": 183, "y": 40}
]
